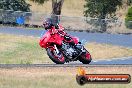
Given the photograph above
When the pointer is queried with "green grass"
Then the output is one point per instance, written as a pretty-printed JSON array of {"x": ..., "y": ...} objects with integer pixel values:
[
  {"x": 21, "y": 50},
  {"x": 55, "y": 77},
  {"x": 51, "y": 82},
  {"x": 26, "y": 50}
]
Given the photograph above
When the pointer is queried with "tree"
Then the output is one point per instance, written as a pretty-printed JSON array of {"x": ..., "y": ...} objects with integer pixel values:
[
  {"x": 129, "y": 2},
  {"x": 15, "y": 5},
  {"x": 56, "y": 8},
  {"x": 128, "y": 19},
  {"x": 101, "y": 9}
]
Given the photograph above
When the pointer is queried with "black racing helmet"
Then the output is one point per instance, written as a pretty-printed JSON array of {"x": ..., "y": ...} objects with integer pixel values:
[{"x": 47, "y": 23}]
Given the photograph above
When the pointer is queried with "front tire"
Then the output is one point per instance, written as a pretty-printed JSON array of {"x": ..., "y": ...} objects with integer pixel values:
[
  {"x": 85, "y": 57},
  {"x": 54, "y": 58}
]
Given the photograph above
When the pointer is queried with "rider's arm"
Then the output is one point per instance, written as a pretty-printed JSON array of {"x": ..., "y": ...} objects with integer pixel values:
[{"x": 61, "y": 29}]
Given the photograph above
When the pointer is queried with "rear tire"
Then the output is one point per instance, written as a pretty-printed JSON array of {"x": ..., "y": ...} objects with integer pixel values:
[
  {"x": 57, "y": 60},
  {"x": 84, "y": 58}
]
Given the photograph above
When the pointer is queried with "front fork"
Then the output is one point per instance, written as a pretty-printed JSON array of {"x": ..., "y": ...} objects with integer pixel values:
[
  {"x": 56, "y": 49},
  {"x": 81, "y": 47}
]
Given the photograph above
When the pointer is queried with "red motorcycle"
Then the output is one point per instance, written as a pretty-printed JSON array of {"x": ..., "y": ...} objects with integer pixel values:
[{"x": 62, "y": 47}]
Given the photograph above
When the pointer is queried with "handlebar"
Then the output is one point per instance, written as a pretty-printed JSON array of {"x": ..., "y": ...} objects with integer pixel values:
[{"x": 60, "y": 31}]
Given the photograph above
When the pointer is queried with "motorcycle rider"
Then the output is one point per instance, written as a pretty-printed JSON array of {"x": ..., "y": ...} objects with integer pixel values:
[
  {"x": 48, "y": 24},
  {"x": 68, "y": 44}
]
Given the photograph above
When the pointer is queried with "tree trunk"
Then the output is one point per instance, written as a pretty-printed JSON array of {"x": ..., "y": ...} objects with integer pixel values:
[
  {"x": 56, "y": 10},
  {"x": 103, "y": 25},
  {"x": 102, "y": 21},
  {"x": 56, "y": 6}
]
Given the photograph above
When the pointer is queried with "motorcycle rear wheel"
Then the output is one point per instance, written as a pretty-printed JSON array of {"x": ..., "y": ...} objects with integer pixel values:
[{"x": 56, "y": 59}]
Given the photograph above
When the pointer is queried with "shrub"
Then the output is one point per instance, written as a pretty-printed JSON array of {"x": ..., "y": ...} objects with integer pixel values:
[{"x": 128, "y": 19}]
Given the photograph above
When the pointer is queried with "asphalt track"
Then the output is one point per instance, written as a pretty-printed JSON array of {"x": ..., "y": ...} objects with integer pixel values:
[
  {"x": 114, "y": 39},
  {"x": 111, "y": 61}
]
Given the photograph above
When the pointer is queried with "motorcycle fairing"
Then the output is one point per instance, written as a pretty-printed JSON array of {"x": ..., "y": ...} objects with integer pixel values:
[{"x": 48, "y": 39}]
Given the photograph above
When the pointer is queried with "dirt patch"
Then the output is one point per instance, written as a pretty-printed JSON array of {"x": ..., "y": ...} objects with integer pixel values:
[
  {"x": 106, "y": 51},
  {"x": 26, "y": 50},
  {"x": 37, "y": 71},
  {"x": 50, "y": 77}
]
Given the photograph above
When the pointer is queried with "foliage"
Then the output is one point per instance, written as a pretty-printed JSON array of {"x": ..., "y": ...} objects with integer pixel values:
[
  {"x": 15, "y": 5},
  {"x": 39, "y": 1},
  {"x": 129, "y": 2},
  {"x": 101, "y": 8},
  {"x": 128, "y": 19},
  {"x": 56, "y": 5},
  {"x": 56, "y": 9}
]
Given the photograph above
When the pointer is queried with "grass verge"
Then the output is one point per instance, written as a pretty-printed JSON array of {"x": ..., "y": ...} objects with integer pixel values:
[
  {"x": 26, "y": 50},
  {"x": 56, "y": 77}
]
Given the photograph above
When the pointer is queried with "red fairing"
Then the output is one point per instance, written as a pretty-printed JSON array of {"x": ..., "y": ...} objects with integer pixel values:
[
  {"x": 51, "y": 36},
  {"x": 75, "y": 39},
  {"x": 44, "y": 39}
]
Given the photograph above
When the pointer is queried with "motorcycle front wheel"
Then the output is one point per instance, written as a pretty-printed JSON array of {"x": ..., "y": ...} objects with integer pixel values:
[
  {"x": 85, "y": 57},
  {"x": 58, "y": 59}
]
